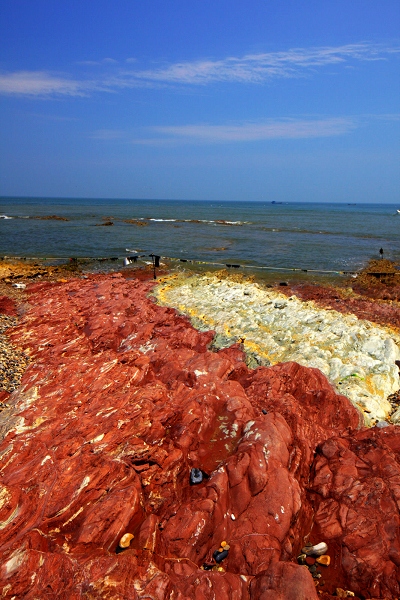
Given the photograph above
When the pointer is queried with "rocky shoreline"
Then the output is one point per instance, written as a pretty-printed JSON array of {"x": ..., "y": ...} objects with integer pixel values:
[{"x": 123, "y": 398}]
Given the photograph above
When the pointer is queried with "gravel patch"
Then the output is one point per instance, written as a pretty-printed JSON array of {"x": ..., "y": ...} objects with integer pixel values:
[{"x": 13, "y": 361}]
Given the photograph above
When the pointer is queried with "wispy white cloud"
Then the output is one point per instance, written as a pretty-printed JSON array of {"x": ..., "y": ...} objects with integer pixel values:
[
  {"x": 40, "y": 83},
  {"x": 387, "y": 117},
  {"x": 98, "y": 63},
  {"x": 256, "y": 68},
  {"x": 249, "y": 132},
  {"x": 248, "y": 69}
]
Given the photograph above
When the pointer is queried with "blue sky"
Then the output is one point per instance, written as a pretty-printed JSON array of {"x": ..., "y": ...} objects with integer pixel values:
[{"x": 283, "y": 100}]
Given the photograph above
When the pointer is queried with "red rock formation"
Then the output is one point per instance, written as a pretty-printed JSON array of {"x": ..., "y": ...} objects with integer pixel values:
[
  {"x": 368, "y": 305},
  {"x": 122, "y": 398},
  {"x": 7, "y": 306},
  {"x": 357, "y": 484}
]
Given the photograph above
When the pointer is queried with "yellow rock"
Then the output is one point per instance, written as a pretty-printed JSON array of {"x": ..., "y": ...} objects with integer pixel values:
[
  {"x": 125, "y": 541},
  {"x": 343, "y": 593},
  {"x": 324, "y": 560}
]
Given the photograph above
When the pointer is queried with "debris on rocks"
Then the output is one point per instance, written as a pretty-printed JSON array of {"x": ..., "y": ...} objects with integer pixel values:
[
  {"x": 197, "y": 476},
  {"x": 324, "y": 559},
  {"x": 312, "y": 557},
  {"x": 126, "y": 539},
  {"x": 219, "y": 556},
  {"x": 124, "y": 542},
  {"x": 379, "y": 272},
  {"x": 316, "y": 550}
]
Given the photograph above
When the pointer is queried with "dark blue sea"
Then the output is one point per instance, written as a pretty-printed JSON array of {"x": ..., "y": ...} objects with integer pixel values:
[{"x": 303, "y": 236}]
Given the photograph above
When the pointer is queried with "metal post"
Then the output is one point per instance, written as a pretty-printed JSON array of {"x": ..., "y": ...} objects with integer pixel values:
[{"x": 153, "y": 258}]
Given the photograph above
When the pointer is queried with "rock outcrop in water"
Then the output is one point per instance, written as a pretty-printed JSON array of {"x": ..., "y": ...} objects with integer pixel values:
[{"x": 121, "y": 400}]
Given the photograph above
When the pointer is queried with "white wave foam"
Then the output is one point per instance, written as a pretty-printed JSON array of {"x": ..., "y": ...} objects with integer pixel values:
[{"x": 166, "y": 220}]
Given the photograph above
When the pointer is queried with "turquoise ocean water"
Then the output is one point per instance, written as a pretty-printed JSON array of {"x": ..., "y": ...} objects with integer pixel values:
[{"x": 333, "y": 237}]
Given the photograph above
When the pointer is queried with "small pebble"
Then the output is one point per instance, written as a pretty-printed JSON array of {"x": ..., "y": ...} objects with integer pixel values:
[
  {"x": 316, "y": 550},
  {"x": 196, "y": 476},
  {"x": 126, "y": 539}
]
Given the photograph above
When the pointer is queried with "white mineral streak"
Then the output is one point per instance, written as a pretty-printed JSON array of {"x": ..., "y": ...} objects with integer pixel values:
[
  {"x": 357, "y": 356},
  {"x": 14, "y": 563}
]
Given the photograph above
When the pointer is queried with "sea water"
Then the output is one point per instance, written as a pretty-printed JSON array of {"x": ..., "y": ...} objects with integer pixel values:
[{"x": 303, "y": 236}]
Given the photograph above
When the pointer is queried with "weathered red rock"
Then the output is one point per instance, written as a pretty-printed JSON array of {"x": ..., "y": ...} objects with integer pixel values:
[
  {"x": 370, "y": 304},
  {"x": 122, "y": 398},
  {"x": 7, "y": 306},
  {"x": 4, "y": 396},
  {"x": 357, "y": 485}
]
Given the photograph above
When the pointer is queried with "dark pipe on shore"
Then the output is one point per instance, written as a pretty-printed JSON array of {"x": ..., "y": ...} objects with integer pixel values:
[{"x": 156, "y": 263}]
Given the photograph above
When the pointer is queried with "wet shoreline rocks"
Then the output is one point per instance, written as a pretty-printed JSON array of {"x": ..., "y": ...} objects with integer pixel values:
[
  {"x": 358, "y": 356},
  {"x": 121, "y": 400}
]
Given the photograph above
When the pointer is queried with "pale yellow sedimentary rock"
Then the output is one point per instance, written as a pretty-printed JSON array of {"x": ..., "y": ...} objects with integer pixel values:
[{"x": 357, "y": 356}]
